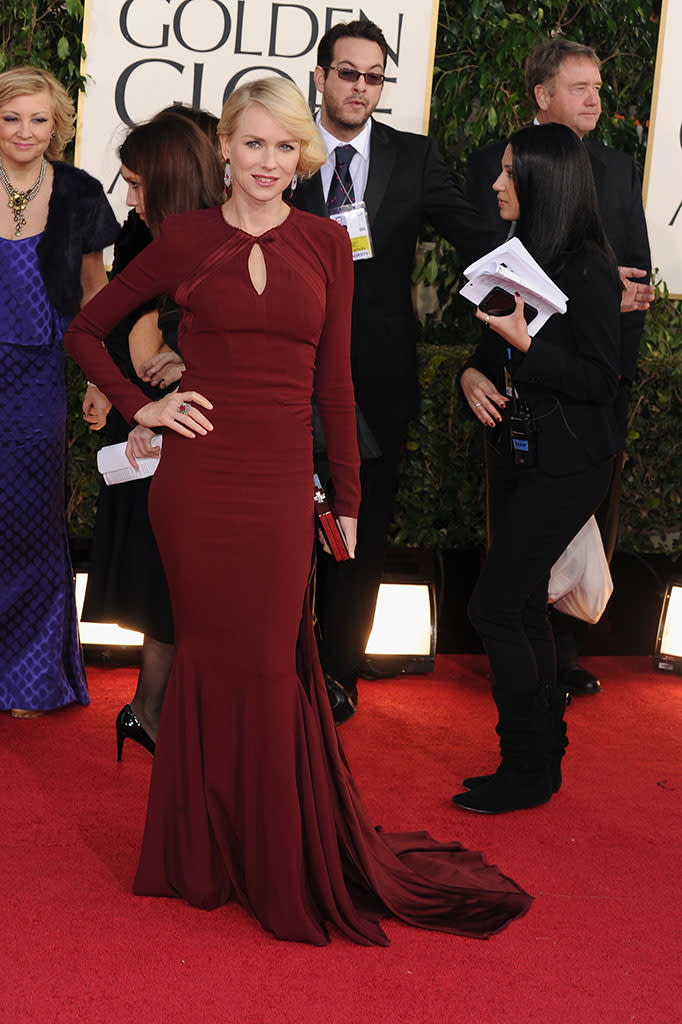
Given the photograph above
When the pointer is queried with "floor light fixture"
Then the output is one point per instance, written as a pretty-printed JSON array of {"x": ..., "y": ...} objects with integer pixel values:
[
  {"x": 403, "y": 637},
  {"x": 668, "y": 652}
]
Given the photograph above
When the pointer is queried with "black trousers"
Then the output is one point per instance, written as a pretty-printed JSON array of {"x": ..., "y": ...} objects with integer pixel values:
[
  {"x": 532, "y": 518},
  {"x": 569, "y": 632},
  {"x": 346, "y": 592}
]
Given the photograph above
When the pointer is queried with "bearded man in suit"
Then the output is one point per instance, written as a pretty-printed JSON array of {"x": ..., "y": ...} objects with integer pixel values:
[
  {"x": 404, "y": 185},
  {"x": 563, "y": 83}
]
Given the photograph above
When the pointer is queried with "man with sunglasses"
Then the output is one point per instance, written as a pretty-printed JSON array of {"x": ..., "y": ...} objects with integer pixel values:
[{"x": 391, "y": 184}]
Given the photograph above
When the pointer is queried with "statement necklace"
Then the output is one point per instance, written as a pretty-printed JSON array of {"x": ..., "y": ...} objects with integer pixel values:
[{"x": 18, "y": 201}]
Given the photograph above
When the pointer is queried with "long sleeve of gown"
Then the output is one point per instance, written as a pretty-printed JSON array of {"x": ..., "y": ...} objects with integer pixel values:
[
  {"x": 146, "y": 277},
  {"x": 333, "y": 381}
]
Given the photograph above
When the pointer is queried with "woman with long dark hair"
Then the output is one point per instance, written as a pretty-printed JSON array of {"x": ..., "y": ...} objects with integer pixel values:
[
  {"x": 561, "y": 386},
  {"x": 170, "y": 165}
]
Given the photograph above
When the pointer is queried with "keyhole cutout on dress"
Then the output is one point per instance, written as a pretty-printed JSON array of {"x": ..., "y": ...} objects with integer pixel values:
[{"x": 257, "y": 269}]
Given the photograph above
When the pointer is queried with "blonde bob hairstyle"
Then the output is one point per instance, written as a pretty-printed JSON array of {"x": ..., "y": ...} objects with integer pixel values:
[
  {"x": 284, "y": 101},
  {"x": 27, "y": 81}
]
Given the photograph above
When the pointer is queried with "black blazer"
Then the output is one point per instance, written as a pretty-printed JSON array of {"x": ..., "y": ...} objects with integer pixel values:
[
  {"x": 619, "y": 192},
  {"x": 569, "y": 376},
  {"x": 408, "y": 186}
]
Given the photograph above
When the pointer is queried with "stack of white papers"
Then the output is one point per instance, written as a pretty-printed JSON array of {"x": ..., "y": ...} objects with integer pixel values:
[
  {"x": 113, "y": 464},
  {"x": 512, "y": 267}
]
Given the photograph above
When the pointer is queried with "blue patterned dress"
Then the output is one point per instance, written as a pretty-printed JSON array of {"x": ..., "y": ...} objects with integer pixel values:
[{"x": 40, "y": 658}]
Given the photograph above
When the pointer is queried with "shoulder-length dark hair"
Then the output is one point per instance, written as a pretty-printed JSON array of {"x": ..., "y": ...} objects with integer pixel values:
[
  {"x": 179, "y": 167},
  {"x": 559, "y": 211}
]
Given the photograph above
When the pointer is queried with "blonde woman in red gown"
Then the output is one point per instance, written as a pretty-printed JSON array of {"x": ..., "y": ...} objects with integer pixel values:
[{"x": 251, "y": 797}]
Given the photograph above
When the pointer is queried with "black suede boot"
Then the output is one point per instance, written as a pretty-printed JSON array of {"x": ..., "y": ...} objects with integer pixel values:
[
  {"x": 524, "y": 778},
  {"x": 557, "y": 704},
  {"x": 508, "y": 790}
]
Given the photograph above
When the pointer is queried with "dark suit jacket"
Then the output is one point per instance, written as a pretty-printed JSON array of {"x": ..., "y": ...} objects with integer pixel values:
[
  {"x": 619, "y": 192},
  {"x": 569, "y": 376},
  {"x": 408, "y": 185}
]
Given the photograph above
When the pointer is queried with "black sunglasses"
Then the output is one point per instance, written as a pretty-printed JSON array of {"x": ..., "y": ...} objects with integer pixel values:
[{"x": 351, "y": 75}]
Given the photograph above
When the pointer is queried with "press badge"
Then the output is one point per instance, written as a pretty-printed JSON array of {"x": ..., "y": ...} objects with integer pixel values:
[{"x": 353, "y": 217}]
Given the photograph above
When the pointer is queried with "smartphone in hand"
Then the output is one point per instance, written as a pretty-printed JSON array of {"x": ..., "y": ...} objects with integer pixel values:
[{"x": 500, "y": 302}]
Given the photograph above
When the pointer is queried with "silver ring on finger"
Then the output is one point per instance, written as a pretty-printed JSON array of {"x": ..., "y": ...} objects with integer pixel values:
[
  {"x": 477, "y": 405},
  {"x": 184, "y": 408},
  {"x": 487, "y": 319}
]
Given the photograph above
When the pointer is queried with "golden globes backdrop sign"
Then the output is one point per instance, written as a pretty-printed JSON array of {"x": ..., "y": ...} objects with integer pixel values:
[
  {"x": 143, "y": 55},
  {"x": 663, "y": 172}
]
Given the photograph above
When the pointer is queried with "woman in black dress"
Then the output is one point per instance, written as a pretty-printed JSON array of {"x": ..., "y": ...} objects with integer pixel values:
[{"x": 170, "y": 165}]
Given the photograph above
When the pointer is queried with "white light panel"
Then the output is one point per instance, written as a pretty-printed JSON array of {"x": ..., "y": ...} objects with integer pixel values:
[{"x": 402, "y": 620}]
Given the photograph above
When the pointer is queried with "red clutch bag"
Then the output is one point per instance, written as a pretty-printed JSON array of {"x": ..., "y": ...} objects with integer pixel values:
[{"x": 328, "y": 523}]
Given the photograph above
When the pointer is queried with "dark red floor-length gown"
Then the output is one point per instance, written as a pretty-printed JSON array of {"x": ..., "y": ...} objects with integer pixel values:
[{"x": 250, "y": 796}]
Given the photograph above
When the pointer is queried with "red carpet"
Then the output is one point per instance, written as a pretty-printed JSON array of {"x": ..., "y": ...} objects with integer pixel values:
[{"x": 601, "y": 944}]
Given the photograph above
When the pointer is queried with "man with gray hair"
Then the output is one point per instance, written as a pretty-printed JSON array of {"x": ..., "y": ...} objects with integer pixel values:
[{"x": 563, "y": 83}]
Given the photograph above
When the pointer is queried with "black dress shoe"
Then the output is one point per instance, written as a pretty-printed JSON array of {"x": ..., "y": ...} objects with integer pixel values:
[
  {"x": 579, "y": 682},
  {"x": 341, "y": 702}
]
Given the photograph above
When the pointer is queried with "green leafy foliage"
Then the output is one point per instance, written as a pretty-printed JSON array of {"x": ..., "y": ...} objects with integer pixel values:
[
  {"x": 441, "y": 494},
  {"x": 651, "y": 506},
  {"x": 47, "y": 35}
]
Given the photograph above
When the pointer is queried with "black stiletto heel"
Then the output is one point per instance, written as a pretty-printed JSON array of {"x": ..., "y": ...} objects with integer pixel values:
[{"x": 128, "y": 727}]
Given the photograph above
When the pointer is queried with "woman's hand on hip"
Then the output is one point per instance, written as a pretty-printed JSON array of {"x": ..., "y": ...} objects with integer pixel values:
[
  {"x": 483, "y": 397},
  {"x": 179, "y": 412},
  {"x": 513, "y": 328}
]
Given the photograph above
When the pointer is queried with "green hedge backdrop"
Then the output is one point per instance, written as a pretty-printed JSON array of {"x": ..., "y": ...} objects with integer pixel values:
[{"x": 477, "y": 97}]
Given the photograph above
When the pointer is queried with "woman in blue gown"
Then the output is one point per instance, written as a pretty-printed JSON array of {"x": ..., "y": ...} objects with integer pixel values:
[{"x": 53, "y": 227}]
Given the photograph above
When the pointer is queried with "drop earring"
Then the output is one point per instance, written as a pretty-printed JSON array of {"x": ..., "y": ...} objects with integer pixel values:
[
  {"x": 228, "y": 177},
  {"x": 292, "y": 186}
]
